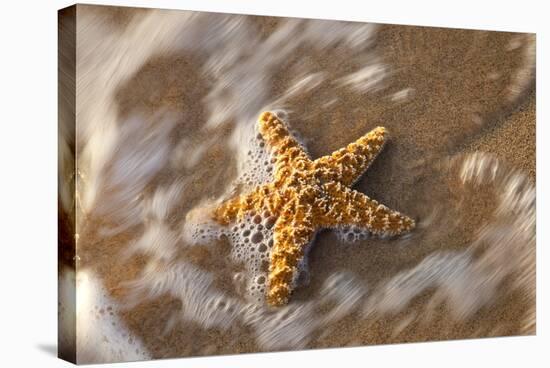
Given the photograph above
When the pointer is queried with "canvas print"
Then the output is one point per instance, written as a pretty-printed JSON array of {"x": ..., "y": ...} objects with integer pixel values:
[{"x": 242, "y": 183}]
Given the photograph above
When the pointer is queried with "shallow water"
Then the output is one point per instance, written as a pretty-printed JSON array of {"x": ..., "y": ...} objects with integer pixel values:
[{"x": 166, "y": 108}]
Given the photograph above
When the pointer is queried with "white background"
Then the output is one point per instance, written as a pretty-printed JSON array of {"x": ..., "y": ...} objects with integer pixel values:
[{"x": 28, "y": 181}]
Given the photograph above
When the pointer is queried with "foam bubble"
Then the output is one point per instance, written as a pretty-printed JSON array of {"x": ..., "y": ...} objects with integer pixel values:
[
  {"x": 257, "y": 165},
  {"x": 252, "y": 247},
  {"x": 352, "y": 234},
  {"x": 251, "y": 243}
]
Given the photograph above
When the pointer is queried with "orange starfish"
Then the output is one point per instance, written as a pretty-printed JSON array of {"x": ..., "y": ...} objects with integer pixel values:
[{"x": 310, "y": 194}]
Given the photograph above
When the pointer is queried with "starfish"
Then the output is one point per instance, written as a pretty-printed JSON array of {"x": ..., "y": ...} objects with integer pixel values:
[{"x": 307, "y": 195}]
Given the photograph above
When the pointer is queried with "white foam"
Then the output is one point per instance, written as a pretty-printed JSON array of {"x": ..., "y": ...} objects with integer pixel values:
[
  {"x": 257, "y": 165},
  {"x": 101, "y": 337},
  {"x": 201, "y": 301},
  {"x": 402, "y": 95},
  {"x": 352, "y": 234},
  {"x": 467, "y": 283},
  {"x": 251, "y": 240},
  {"x": 251, "y": 237},
  {"x": 158, "y": 240},
  {"x": 365, "y": 79}
]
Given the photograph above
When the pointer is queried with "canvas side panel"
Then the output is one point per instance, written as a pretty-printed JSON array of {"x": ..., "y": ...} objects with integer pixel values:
[{"x": 66, "y": 183}]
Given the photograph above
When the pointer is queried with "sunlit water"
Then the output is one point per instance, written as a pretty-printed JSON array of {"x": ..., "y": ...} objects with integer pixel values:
[{"x": 166, "y": 110}]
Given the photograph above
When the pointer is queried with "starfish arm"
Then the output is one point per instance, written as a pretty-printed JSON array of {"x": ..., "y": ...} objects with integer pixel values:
[
  {"x": 348, "y": 164},
  {"x": 292, "y": 233},
  {"x": 276, "y": 135},
  {"x": 237, "y": 207},
  {"x": 286, "y": 148},
  {"x": 346, "y": 206}
]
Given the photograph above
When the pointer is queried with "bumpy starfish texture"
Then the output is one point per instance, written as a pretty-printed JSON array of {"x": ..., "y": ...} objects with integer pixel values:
[{"x": 306, "y": 195}]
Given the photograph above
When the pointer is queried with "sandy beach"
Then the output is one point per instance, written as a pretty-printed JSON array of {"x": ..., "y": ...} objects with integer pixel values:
[{"x": 460, "y": 106}]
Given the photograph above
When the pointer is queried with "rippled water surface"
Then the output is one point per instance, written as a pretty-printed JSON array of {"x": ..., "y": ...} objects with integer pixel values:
[{"x": 167, "y": 103}]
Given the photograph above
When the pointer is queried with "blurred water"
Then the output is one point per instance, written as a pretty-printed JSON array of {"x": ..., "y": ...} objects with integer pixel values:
[{"x": 167, "y": 103}]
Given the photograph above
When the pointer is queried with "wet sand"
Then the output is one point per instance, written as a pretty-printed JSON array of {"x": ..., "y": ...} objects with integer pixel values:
[
  {"x": 513, "y": 137},
  {"x": 446, "y": 93}
]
